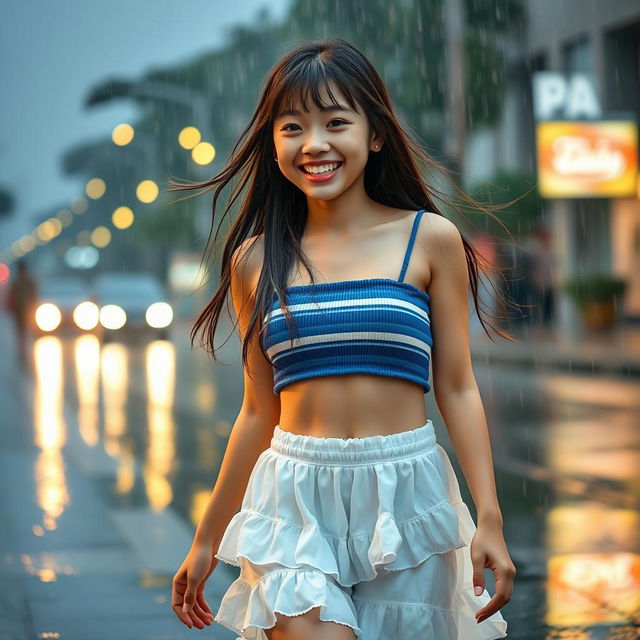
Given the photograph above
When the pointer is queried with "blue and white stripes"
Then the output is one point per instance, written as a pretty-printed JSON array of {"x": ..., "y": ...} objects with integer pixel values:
[{"x": 374, "y": 326}]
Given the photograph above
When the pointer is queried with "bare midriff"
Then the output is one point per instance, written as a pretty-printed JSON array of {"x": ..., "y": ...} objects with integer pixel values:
[
  {"x": 358, "y": 405},
  {"x": 351, "y": 406}
]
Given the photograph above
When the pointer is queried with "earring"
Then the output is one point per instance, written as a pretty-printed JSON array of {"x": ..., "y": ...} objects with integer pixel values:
[
  {"x": 275, "y": 158},
  {"x": 377, "y": 147}
]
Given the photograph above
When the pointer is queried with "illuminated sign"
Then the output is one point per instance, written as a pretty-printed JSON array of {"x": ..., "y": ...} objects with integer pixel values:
[
  {"x": 556, "y": 97},
  {"x": 587, "y": 159},
  {"x": 586, "y": 589},
  {"x": 582, "y": 153}
]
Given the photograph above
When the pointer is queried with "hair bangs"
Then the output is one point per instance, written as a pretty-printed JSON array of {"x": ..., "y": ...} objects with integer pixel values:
[{"x": 308, "y": 80}]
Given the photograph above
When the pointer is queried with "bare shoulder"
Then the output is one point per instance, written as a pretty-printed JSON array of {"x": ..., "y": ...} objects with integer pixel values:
[
  {"x": 248, "y": 258},
  {"x": 249, "y": 252},
  {"x": 438, "y": 229},
  {"x": 433, "y": 226},
  {"x": 440, "y": 240}
]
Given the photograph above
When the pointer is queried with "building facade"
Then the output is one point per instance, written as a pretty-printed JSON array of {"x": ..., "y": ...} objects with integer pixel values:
[{"x": 602, "y": 40}]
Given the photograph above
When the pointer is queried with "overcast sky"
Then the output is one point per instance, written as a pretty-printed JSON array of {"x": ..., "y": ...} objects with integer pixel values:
[{"x": 53, "y": 52}]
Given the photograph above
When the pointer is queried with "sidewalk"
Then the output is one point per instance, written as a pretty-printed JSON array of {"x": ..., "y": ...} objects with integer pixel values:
[
  {"x": 616, "y": 352},
  {"x": 74, "y": 565}
]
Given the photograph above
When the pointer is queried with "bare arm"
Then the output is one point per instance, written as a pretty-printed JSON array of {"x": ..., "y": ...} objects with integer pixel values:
[
  {"x": 461, "y": 407},
  {"x": 250, "y": 436},
  {"x": 455, "y": 387},
  {"x": 260, "y": 412},
  {"x": 467, "y": 426}
]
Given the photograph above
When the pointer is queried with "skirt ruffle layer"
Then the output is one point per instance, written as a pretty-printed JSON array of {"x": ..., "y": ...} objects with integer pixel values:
[
  {"x": 313, "y": 531},
  {"x": 390, "y": 546},
  {"x": 250, "y": 606}
]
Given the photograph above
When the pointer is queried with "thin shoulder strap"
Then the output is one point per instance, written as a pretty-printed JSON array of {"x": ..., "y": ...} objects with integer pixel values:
[{"x": 407, "y": 255}]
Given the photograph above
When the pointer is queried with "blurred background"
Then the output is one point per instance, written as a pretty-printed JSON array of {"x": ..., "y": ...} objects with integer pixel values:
[{"x": 112, "y": 427}]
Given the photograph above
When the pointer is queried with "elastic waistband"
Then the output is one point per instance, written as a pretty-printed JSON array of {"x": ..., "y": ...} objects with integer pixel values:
[{"x": 343, "y": 451}]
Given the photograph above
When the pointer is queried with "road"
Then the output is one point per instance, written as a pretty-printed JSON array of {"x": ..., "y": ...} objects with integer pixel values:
[{"x": 108, "y": 454}]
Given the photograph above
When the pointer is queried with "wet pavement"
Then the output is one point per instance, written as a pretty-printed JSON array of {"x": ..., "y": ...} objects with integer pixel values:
[
  {"x": 90, "y": 540},
  {"x": 615, "y": 351},
  {"x": 108, "y": 455}
]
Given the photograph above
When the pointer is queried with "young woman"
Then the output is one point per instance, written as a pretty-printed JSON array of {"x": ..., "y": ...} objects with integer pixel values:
[{"x": 335, "y": 500}]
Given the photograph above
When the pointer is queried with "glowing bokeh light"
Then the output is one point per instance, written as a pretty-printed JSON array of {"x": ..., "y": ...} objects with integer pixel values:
[
  {"x": 147, "y": 191},
  {"x": 65, "y": 216},
  {"x": 81, "y": 257},
  {"x": 122, "y": 218},
  {"x": 189, "y": 137},
  {"x": 203, "y": 153},
  {"x": 48, "y": 316},
  {"x": 159, "y": 315},
  {"x": 86, "y": 315},
  {"x": 122, "y": 134},
  {"x": 79, "y": 205},
  {"x": 101, "y": 237},
  {"x": 96, "y": 188},
  {"x": 26, "y": 243},
  {"x": 112, "y": 316}
]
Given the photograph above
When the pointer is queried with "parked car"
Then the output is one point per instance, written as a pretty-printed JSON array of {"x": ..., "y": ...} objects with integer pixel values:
[
  {"x": 132, "y": 302},
  {"x": 64, "y": 303}
]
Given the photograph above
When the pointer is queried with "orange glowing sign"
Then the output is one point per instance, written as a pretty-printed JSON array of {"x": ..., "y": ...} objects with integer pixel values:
[
  {"x": 587, "y": 159},
  {"x": 592, "y": 588}
]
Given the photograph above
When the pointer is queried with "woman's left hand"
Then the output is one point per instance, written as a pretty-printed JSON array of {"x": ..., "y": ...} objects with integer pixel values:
[{"x": 488, "y": 550}]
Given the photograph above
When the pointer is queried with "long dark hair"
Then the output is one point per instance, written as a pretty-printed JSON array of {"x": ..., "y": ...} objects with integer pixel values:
[{"x": 274, "y": 207}]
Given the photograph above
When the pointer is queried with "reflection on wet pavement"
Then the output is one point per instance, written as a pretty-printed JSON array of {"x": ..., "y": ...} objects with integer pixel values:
[
  {"x": 148, "y": 423},
  {"x": 567, "y": 454}
]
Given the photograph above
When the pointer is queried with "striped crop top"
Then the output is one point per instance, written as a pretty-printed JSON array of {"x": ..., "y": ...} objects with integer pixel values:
[{"x": 376, "y": 326}]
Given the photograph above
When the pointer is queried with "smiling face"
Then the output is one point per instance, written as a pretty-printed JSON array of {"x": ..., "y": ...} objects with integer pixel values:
[{"x": 323, "y": 151}]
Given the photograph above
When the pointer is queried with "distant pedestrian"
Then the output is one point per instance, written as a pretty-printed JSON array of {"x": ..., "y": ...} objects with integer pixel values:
[
  {"x": 543, "y": 276},
  {"x": 20, "y": 303}
]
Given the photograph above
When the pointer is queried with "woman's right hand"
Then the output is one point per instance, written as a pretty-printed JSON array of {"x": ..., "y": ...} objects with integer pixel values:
[{"x": 187, "y": 597}]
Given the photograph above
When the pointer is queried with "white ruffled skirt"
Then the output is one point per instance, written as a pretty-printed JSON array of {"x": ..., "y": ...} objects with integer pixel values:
[{"x": 373, "y": 531}]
